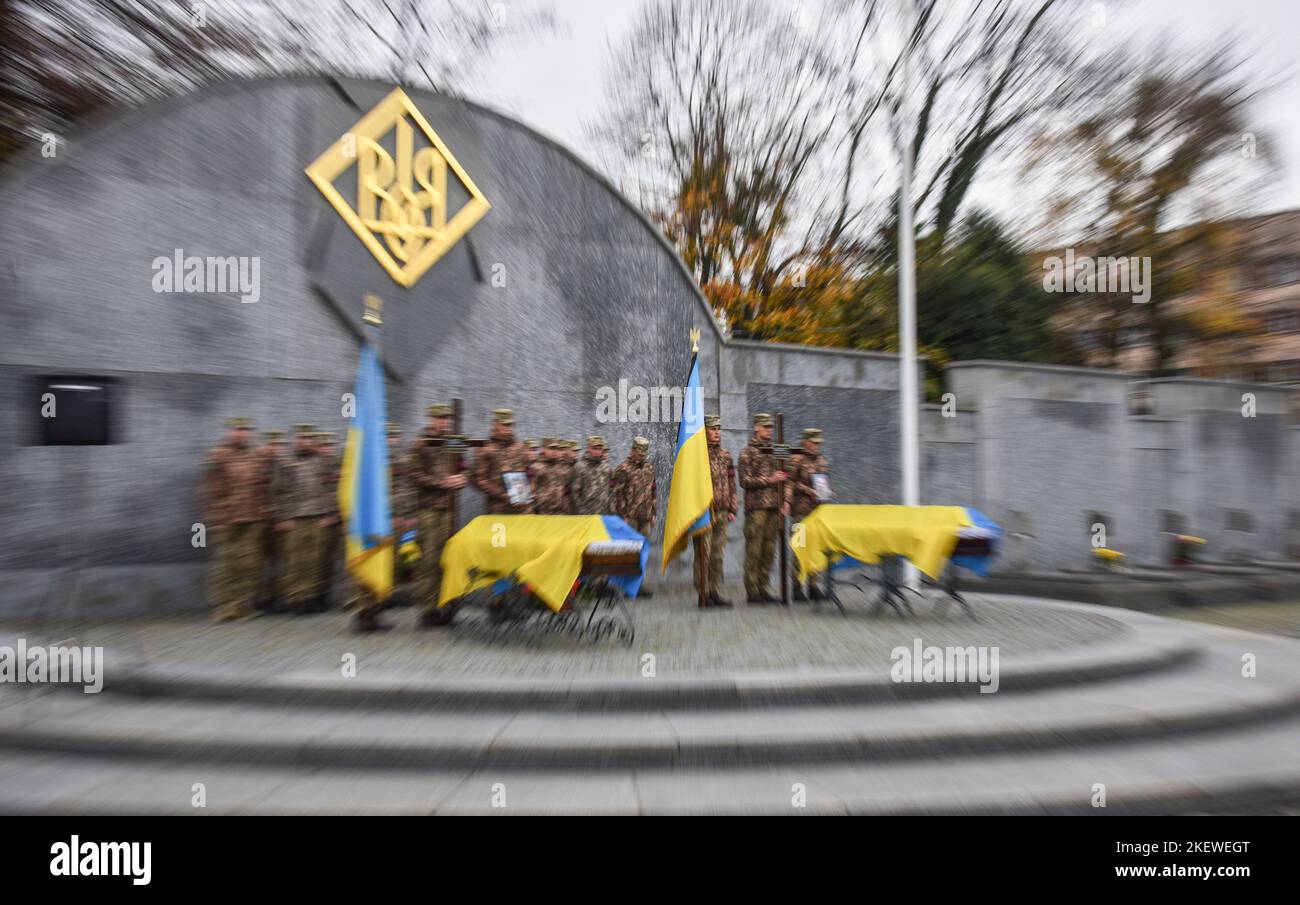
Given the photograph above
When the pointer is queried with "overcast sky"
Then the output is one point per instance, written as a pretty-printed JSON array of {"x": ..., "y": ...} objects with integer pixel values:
[{"x": 555, "y": 85}]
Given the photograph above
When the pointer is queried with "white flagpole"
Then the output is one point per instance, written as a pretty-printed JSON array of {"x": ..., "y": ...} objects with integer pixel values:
[{"x": 907, "y": 378}]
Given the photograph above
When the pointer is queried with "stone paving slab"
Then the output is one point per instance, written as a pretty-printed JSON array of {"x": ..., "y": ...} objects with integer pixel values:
[{"x": 684, "y": 641}]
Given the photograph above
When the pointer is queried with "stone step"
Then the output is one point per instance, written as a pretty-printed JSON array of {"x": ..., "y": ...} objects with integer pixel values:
[
  {"x": 1204, "y": 693},
  {"x": 1145, "y": 649},
  {"x": 1227, "y": 771}
]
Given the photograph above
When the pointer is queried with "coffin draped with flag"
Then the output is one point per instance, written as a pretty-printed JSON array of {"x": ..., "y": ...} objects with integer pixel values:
[
  {"x": 834, "y": 536},
  {"x": 364, "y": 500},
  {"x": 690, "y": 493}
]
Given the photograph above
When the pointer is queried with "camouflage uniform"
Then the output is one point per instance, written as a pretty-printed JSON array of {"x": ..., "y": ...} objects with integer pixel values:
[
  {"x": 568, "y": 466},
  {"x": 762, "y": 514},
  {"x": 235, "y": 494},
  {"x": 401, "y": 488},
  {"x": 708, "y": 572},
  {"x": 269, "y": 589},
  {"x": 431, "y": 464},
  {"x": 799, "y": 487},
  {"x": 593, "y": 491},
  {"x": 634, "y": 492},
  {"x": 800, "y": 493},
  {"x": 491, "y": 463},
  {"x": 303, "y": 499},
  {"x": 334, "y": 546},
  {"x": 551, "y": 485}
]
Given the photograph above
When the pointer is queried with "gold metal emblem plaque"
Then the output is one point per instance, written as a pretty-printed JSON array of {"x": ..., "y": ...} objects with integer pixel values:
[{"x": 401, "y": 198}]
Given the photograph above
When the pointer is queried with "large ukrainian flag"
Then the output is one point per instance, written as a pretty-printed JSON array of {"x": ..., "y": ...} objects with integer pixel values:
[
  {"x": 690, "y": 493},
  {"x": 364, "y": 500}
]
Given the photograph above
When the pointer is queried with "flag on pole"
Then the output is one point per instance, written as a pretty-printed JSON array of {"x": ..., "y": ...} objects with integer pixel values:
[
  {"x": 364, "y": 500},
  {"x": 690, "y": 493}
]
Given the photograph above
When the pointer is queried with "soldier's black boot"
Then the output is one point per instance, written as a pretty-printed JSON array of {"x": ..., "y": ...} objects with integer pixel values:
[
  {"x": 715, "y": 600},
  {"x": 367, "y": 620},
  {"x": 797, "y": 593},
  {"x": 439, "y": 618},
  {"x": 815, "y": 592},
  {"x": 317, "y": 604},
  {"x": 645, "y": 593}
]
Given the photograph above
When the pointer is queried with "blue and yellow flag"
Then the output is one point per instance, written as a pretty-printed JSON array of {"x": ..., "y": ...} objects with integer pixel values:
[
  {"x": 690, "y": 494},
  {"x": 364, "y": 500}
]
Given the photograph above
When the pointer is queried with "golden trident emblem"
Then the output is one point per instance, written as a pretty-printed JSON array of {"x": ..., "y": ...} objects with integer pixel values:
[{"x": 401, "y": 198}]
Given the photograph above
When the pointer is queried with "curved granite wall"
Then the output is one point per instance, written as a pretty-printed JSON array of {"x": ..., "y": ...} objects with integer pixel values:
[{"x": 562, "y": 288}]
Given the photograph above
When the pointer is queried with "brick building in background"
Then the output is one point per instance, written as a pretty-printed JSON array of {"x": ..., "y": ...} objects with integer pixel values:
[{"x": 1239, "y": 318}]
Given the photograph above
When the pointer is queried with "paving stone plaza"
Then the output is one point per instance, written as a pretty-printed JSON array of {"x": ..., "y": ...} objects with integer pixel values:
[{"x": 757, "y": 710}]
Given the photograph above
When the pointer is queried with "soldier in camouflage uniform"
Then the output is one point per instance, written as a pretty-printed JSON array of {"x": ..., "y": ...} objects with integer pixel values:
[
  {"x": 236, "y": 500},
  {"x": 764, "y": 500},
  {"x": 593, "y": 478},
  {"x": 304, "y": 512},
  {"x": 401, "y": 490},
  {"x": 333, "y": 547},
  {"x": 551, "y": 481},
  {"x": 569, "y": 465},
  {"x": 801, "y": 493},
  {"x": 634, "y": 492},
  {"x": 437, "y": 473},
  {"x": 534, "y": 450},
  {"x": 713, "y": 544},
  {"x": 502, "y": 455},
  {"x": 538, "y": 457},
  {"x": 268, "y": 589}
]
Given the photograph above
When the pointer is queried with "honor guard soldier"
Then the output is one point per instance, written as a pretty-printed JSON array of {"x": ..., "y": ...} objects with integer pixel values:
[
  {"x": 764, "y": 499},
  {"x": 593, "y": 478},
  {"x": 501, "y": 469},
  {"x": 305, "y": 513},
  {"x": 236, "y": 500},
  {"x": 402, "y": 491},
  {"x": 713, "y": 546},
  {"x": 437, "y": 470},
  {"x": 332, "y": 550},
  {"x": 538, "y": 457},
  {"x": 268, "y": 589},
  {"x": 807, "y": 487},
  {"x": 568, "y": 464},
  {"x": 551, "y": 480},
  {"x": 534, "y": 450},
  {"x": 634, "y": 492}
]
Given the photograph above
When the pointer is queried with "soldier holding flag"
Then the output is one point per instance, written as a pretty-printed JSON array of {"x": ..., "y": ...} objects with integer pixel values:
[{"x": 363, "y": 491}]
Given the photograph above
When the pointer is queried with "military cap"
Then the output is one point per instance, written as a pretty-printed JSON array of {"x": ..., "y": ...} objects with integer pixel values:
[
  {"x": 713, "y": 421},
  {"x": 553, "y": 443},
  {"x": 531, "y": 444},
  {"x": 439, "y": 410},
  {"x": 239, "y": 423},
  {"x": 273, "y": 433},
  {"x": 596, "y": 440},
  {"x": 327, "y": 436},
  {"x": 304, "y": 428},
  {"x": 813, "y": 433},
  {"x": 572, "y": 444},
  {"x": 503, "y": 416},
  {"x": 764, "y": 419},
  {"x": 394, "y": 429},
  {"x": 640, "y": 443}
]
